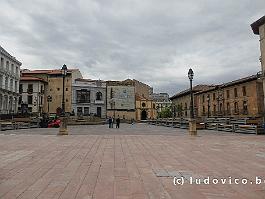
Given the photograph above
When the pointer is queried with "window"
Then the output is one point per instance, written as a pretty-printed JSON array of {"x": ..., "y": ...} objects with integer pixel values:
[
  {"x": 1, "y": 81},
  {"x": 11, "y": 84},
  {"x": 15, "y": 86},
  {"x": 30, "y": 88},
  {"x": 228, "y": 108},
  {"x": 245, "y": 107},
  {"x": 58, "y": 89},
  {"x": 79, "y": 111},
  {"x": 12, "y": 68},
  {"x": 98, "y": 96},
  {"x": 227, "y": 94},
  {"x": 29, "y": 99},
  {"x": 143, "y": 104},
  {"x": 66, "y": 89},
  {"x": 203, "y": 98},
  {"x": 86, "y": 111},
  {"x": 186, "y": 113},
  {"x": 2, "y": 62},
  {"x": 214, "y": 97},
  {"x": 20, "y": 88},
  {"x": 111, "y": 93},
  {"x": 244, "y": 91},
  {"x": 203, "y": 110},
  {"x": 83, "y": 96},
  {"x": 41, "y": 89},
  {"x": 6, "y": 83},
  {"x": 236, "y": 107},
  {"x": 214, "y": 109},
  {"x": 235, "y": 92},
  {"x": 7, "y": 65},
  {"x": 20, "y": 100},
  {"x": 17, "y": 71}
]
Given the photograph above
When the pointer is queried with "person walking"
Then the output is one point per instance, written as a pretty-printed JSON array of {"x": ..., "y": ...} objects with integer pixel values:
[
  {"x": 118, "y": 121},
  {"x": 110, "y": 122}
]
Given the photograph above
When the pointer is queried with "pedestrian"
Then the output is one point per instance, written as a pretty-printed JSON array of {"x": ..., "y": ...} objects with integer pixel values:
[
  {"x": 118, "y": 121},
  {"x": 132, "y": 121},
  {"x": 110, "y": 122}
]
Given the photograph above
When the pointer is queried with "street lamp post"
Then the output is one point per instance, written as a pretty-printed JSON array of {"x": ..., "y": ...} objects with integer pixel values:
[
  {"x": 63, "y": 125},
  {"x": 208, "y": 103},
  {"x": 49, "y": 99},
  {"x": 192, "y": 122}
]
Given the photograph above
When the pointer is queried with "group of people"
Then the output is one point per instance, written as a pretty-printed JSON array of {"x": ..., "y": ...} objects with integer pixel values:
[{"x": 111, "y": 121}]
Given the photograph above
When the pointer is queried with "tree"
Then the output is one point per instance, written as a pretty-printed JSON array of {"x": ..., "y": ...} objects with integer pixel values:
[{"x": 165, "y": 113}]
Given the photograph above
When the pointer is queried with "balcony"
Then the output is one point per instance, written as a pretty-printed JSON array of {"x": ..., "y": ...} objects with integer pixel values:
[
  {"x": 99, "y": 102},
  {"x": 30, "y": 91}
]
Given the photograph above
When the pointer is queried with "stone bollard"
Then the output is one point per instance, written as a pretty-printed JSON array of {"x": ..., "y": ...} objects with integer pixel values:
[
  {"x": 63, "y": 126},
  {"x": 192, "y": 127}
]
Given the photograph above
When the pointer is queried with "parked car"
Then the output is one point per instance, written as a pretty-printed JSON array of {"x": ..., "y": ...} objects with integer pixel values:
[{"x": 54, "y": 123}]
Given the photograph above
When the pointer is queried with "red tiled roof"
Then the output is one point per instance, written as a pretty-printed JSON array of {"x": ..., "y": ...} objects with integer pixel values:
[{"x": 28, "y": 78}]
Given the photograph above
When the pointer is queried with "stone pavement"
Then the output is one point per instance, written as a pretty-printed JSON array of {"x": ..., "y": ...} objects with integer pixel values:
[{"x": 137, "y": 161}]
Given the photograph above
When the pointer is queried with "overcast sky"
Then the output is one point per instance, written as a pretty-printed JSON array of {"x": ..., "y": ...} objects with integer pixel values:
[{"x": 154, "y": 41}]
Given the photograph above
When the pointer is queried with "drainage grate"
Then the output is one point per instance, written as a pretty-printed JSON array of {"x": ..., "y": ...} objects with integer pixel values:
[
  {"x": 169, "y": 174},
  {"x": 178, "y": 174},
  {"x": 260, "y": 154}
]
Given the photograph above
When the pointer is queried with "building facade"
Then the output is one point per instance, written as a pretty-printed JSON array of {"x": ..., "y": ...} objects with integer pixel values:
[
  {"x": 121, "y": 99},
  {"x": 9, "y": 81},
  {"x": 239, "y": 98},
  {"x": 181, "y": 101},
  {"x": 145, "y": 108},
  {"x": 258, "y": 28},
  {"x": 162, "y": 101},
  {"x": 54, "y": 79},
  {"x": 32, "y": 92},
  {"x": 125, "y": 99},
  {"x": 89, "y": 97}
]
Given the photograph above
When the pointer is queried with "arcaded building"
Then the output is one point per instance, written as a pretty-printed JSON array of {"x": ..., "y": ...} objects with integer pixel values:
[{"x": 9, "y": 81}]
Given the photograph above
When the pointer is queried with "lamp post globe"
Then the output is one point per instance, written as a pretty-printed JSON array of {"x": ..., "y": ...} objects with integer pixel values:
[{"x": 190, "y": 74}]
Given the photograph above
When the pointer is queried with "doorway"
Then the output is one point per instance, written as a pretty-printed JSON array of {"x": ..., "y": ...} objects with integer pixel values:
[{"x": 143, "y": 115}]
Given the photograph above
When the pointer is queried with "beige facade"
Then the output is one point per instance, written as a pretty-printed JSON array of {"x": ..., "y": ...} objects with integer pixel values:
[
  {"x": 145, "y": 109},
  {"x": 258, "y": 28},
  {"x": 239, "y": 98},
  {"x": 181, "y": 101},
  {"x": 125, "y": 99},
  {"x": 54, "y": 78}
]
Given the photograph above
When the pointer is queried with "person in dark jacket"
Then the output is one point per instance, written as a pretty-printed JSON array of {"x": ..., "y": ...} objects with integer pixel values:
[
  {"x": 110, "y": 122},
  {"x": 118, "y": 121}
]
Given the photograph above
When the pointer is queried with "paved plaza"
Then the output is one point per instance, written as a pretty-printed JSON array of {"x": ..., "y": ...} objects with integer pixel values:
[{"x": 137, "y": 161}]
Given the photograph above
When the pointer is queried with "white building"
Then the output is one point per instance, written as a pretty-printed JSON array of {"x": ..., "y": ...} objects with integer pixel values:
[
  {"x": 162, "y": 101},
  {"x": 89, "y": 97},
  {"x": 32, "y": 93},
  {"x": 9, "y": 80}
]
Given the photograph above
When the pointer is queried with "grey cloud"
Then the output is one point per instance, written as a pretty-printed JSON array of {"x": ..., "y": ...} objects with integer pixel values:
[{"x": 153, "y": 41}]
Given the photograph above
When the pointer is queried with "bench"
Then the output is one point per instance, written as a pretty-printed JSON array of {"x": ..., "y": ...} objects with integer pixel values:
[{"x": 6, "y": 125}]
